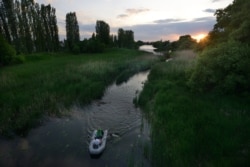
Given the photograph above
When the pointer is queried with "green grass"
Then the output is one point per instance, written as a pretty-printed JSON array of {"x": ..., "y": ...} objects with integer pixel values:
[
  {"x": 47, "y": 84},
  {"x": 194, "y": 129}
]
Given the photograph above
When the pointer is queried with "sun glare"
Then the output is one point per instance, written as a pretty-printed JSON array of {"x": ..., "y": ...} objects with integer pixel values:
[{"x": 199, "y": 37}]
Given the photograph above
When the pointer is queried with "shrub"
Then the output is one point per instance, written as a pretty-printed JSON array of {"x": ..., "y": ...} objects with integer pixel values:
[
  {"x": 19, "y": 59},
  {"x": 91, "y": 46},
  {"x": 7, "y": 52},
  {"x": 223, "y": 68},
  {"x": 76, "y": 49}
]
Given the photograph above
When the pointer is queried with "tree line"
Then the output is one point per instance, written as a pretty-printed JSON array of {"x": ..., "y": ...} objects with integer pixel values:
[
  {"x": 28, "y": 26},
  {"x": 99, "y": 40}
]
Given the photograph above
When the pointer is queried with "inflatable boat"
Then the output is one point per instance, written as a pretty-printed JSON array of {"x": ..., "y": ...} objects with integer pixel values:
[{"x": 98, "y": 142}]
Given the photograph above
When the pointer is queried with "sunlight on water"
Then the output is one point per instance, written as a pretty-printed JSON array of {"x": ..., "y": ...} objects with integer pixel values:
[{"x": 150, "y": 49}]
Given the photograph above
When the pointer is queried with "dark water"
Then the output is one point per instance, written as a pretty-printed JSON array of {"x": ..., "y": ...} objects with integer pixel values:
[{"x": 64, "y": 141}]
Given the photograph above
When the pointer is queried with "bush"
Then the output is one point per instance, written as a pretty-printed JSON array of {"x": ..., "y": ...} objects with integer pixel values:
[
  {"x": 18, "y": 59},
  {"x": 190, "y": 129},
  {"x": 91, "y": 46},
  {"x": 7, "y": 52},
  {"x": 223, "y": 68},
  {"x": 76, "y": 49}
]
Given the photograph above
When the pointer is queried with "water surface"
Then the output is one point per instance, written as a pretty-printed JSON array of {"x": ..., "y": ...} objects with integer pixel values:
[
  {"x": 64, "y": 141},
  {"x": 150, "y": 49}
]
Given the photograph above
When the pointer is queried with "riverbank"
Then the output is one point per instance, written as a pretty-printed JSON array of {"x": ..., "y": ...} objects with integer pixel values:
[
  {"x": 47, "y": 84},
  {"x": 65, "y": 141},
  {"x": 191, "y": 129}
]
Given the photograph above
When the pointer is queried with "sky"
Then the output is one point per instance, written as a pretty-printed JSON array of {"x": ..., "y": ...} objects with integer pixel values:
[{"x": 150, "y": 20}]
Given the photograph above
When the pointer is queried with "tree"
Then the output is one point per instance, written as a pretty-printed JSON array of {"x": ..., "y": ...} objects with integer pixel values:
[
  {"x": 50, "y": 28},
  {"x": 72, "y": 30},
  {"x": 29, "y": 27},
  {"x": 121, "y": 37},
  {"x": 232, "y": 23},
  {"x": 7, "y": 52},
  {"x": 184, "y": 42},
  {"x": 223, "y": 64},
  {"x": 102, "y": 32},
  {"x": 126, "y": 38}
]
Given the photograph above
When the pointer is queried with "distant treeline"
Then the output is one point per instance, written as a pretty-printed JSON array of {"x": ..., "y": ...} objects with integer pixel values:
[
  {"x": 184, "y": 42},
  {"x": 99, "y": 40},
  {"x": 27, "y": 27}
]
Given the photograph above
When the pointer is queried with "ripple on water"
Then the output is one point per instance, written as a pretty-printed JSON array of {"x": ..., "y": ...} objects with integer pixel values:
[{"x": 67, "y": 139}]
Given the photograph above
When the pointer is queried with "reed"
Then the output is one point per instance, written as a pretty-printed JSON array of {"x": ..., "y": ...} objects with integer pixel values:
[
  {"x": 191, "y": 129},
  {"x": 48, "y": 84}
]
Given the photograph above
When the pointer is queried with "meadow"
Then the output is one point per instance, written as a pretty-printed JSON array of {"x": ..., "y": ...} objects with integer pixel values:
[
  {"x": 47, "y": 84},
  {"x": 190, "y": 128}
]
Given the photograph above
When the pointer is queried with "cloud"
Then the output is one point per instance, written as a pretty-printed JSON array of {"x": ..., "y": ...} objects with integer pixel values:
[
  {"x": 172, "y": 30},
  {"x": 86, "y": 30},
  {"x": 132, "y": 11},
  {"x": 168, "y": 21},
  {"x": 204, "y": 19},
  {"x": 166, "y": 29},
  {"x": 216, "y": 0},
  {"x": 136, "y": 11},
  {"x": 122, "y": 16},
  {"x": 209, "y": 10}
]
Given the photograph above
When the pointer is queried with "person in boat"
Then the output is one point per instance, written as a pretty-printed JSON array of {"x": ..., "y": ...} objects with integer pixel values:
[
  {"x": 99, "y": 134},
  {"x": 98, "y": 137},
  {"x": 97, "y": 142}
]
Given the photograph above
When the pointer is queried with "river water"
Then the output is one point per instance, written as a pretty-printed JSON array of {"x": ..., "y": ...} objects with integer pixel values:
[
  {"x": 64, "y": 141},
  {"x": 150, "y": 49}
]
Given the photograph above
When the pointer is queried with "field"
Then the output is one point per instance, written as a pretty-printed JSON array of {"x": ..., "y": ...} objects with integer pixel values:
[
  {"x": 49, "y": 83},
  {"x": 193, "y": 129}
]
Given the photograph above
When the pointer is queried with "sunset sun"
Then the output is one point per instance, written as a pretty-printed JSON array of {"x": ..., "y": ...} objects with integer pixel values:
[{"x": 199, "y": 37}]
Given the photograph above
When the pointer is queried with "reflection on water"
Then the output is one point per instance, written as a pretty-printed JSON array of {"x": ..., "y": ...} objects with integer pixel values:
[
  {"x": 149, "y": 48},
  {"x": 64, "y": 141}
]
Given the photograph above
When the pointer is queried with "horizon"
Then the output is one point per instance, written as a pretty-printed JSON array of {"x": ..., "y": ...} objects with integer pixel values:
[{"x": 150, "y": 20}]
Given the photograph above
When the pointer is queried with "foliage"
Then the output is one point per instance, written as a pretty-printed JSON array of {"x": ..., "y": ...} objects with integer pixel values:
[
  {"x": 7, "y": 52},
  {"x": 233, "y": 21},
  {"x": 102, "y": 32},
  {"x": 48, "y": 84},
  {"x": 162, "y": 45},
  {"x": 28, "y": 26},
  {"x": 72, "y": 32},
  {"x": 91, "y": 45},
  {"x": 184, "y": 42},
  {"x": 232, "y": 24},
  {"x": 223, "y": 64},
  {"x": 193, "y": 129},
  {"x": 126, "y": 38},
  {"x": 76, "y": 49},
  {"x": 224, "y": 68}
]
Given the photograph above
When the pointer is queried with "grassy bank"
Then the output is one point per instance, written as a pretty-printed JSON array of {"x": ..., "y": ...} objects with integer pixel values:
[
  {"x": 47, "y": 84},
  {"x": 194, "y": 129}
]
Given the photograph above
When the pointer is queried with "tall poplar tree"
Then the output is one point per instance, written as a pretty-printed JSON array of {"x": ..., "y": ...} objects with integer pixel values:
[
  {"x": 102, "y": 32},
  {"x": 125, "y": 38},
  {"x": 29, "y": 27},
  {"x": 4, "y": 10},
  {"x": 72, "y": 30}
]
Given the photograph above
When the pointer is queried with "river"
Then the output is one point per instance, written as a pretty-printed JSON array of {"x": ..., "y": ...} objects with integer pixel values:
[
  {"x": 64, "y": 141},
  {"x": 150, "y": 49}
]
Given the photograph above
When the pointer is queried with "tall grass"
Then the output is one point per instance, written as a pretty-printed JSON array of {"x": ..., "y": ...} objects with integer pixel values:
[
  {"x": 194, "y": 129},
  {"x": 48, "y": 83}
]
